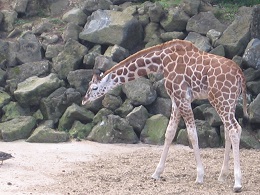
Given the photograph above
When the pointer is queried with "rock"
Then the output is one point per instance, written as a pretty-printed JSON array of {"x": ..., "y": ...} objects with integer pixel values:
[
  {"x": 53, "y": 50},
  {"x": 5, "y": 98},
  {"x": 213, "y": 35},
  {"x": 155, "y": 12},
  {"x": 251, "y": 55},
  {"x": 251, "y": 74},
  {"x": 182, "y": 137},
  {"x": 71, "y": 32},
  {"x": 92, "y": 5},
  {"x": 20, "y": 6},
  {"x": 43, "y": 26},
  {"x": 253, "y": 87},
  {"x": 18, "y": 128},
  {"x": 48, "y": 38},
  {"x": 140, "y": 91},
  {"x": 44, "y": 134},
  {"x": 176, "y": 20},
  {"x": 200, "y": 41},
  {"x": 190, "y": 7},
  {"x": 154, "y": 130},
  {"x": 112, "y": 102},
  {"x": 116, "y": 53},
  {"x": 30, "y": 91},
  {"x": 249, "y": 141},
  {"x": 53, "y": 106},
  {"x": 161, "y": 106},
  {"x": 203, "y": 22},
  {"x": 13, "y": 110},
  {"x": 255, "y": 25},
  {"x": 79, "y": 79},
  {"x": 160, "y": 89},
  {"x": 254, "y": 110},
  {"x": 57, "y": 7},
  {"x": 137, "y": 118},
  {"x": 19, "y": 73},
  {"x": 9, "y": 17},
  {"x": 168, "y": 36},
  {"x": 124, "y": 109},
  {"x": 89, "y": 59},
  {"x": 112, "y": 28},
  {"x": 150, "y": 31},
  {"x": 198, "y": 111},
  {"x": 212, "y": 117},
  {"x": 75, "y": 16},
  {"x": 219, "y": 50},
  {"x": 113, "y": 129},
  {"x": 2, "y": 77},
  {"x": 72, "y": 113},
  {"x": 103, "y": 63},
  {"x": 103, "y": 112},
  {"x": 29, "y": 48},
  {"x": 236, "y": 36},
  {"x": 68, "y": 61},
  {"x": 80, "y": 130}
]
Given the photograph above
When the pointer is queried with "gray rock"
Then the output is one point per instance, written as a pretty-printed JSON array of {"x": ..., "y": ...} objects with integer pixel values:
[
  {"x": 212, "y": 117},
  {"x": 53, "y": 50},
  {"x": 18, "y": 74},
  {"x": 253, "y": 87},
  {"x": 150, "y": 30},
  {"x": 73, "y": 113},
  {"x": 75, "y": 16},
  {"x": 203, "y": 22},
  {"x": 92, "y": 5},
  {"x": 103, "y": 112},
  {"x": 255, "y": 26},
  {"x": 251, "y": 56},
  {"x": 191, "y": 7},
  {"x": 80, "y": 130},
  {"x": 254, "y": 110},
  {"x": 113, "y": 129},
  {"x": 5, "y": 98},
  {"x": 57, "y": 7},
  {"x": 43, "y": 26},
  {"x": 161, "y": 106},
  {"x": 71, "y": 32},
  {"x": 137, "y": 118},
  {"x": 155, "y": 12},
  {"x": 79, "y": 79},
  {"x": 219, "y": 50},
  {"x": 213, "y": 35},
  {"x": 9, "y": 17},
  {"x": 251, "y": 74},
  {"x": 198, "y": 111},
  {"x": 176, "y": 20},
  {"x": 29, "y": 48},
  {"x": 30, "y": 91},
  {"x": 2, "y": 77},
  {"x": 154, "y": 130},
  {"x": 13, "y": 110},
  {"x": 144, "y": 19},
  {"x": 168, "y": 36},
  {"x": 20, "y": 6},
  {"x": 249, "y": 141},
  {"x": 160, "y": 89},
  {"x": 124, "y": 109},
  {"x": 44, "y": 134},
  {"x": 112, "y": 102},
  {"x": 116, "y": 53},
  {"x": 182, "y": 137},
  {"x": 89, "y": 59},
  {"x": 112, "y": 28},
  {"x": 140, "y": 91},
  {"x": 48, "y": 38},
  {"x": 103, "y": 63},
  {"x": 200, "y": 41},
  {"x": 18, "y": 128},
  {"x": 237, "y": 35},
  {"x": 53, "y": 106},
  {"x": 68, "y": 61}
]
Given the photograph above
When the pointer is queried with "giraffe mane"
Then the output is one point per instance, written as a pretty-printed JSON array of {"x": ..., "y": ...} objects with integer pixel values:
[{"x": 159, "y": 47}]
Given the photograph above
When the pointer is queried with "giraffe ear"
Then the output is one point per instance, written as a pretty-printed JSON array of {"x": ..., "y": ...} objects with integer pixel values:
[{"x": 97, "y": 75}]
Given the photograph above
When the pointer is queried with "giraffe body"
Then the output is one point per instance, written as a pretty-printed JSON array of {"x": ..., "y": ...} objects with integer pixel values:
[{"x": 189, "y": 74}]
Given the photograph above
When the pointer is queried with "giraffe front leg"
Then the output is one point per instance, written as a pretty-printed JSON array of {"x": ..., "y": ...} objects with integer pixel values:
[{"x": 169, "y": 135}]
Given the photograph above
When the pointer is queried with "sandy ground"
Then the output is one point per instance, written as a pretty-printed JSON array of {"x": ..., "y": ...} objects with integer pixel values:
[{"x": 92, "y": 168}]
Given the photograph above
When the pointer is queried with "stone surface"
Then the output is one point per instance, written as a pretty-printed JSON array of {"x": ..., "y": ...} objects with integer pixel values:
[
  {"x": 154, "y": 130},
  {"x": 200, "y": 41},
  {"x": 112, "y": 27},
  {"x": 13, "y": 110},
  {"x": 17, "y": 128},
  {"x": 80, "y": 130},
  {"x": 75, "y": 16},
  {"x": 113, "y": 129},
  {"x": 212, "y": 117},
  {"x": 5, "y": 98},
  {"x": 161, "y": 106},
  {"x": 251, "y": 55},
  {"x": 254, "y": 110},
  {"x": 9, "y": 17}
]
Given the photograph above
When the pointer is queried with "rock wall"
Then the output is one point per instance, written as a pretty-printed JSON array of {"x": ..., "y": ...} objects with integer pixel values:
[{"x": 46, "y": 64}]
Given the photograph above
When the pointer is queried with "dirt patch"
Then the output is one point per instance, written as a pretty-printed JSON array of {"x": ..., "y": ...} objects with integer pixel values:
[{"x": 92, "y": 168}]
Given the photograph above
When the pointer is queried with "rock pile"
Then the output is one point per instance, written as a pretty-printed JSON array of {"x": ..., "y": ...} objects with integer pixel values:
[{"x": 46, "y": 65}]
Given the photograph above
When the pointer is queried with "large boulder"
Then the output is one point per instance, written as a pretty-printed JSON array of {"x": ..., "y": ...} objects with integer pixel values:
[
  {"x": 17, "y": 128},
  {"x": 202, "y": 42},
  {"x": 75, "y": 16},
  {"x": 13, "y": 110},
  {"x": 203, "y": 22},
  {"x": 9, "y": 17},
  {"x": 254, "y": 110},
  {"x": 161, "y": 106},
  {"x": 140, "y": 91},
  {"x": 30, "y": 91},
  {"x": 5, "y": 98},
  {"x": 251, "y": 56},
  {"x": 154, "y": 129},
  {"x": 113, "y": 129},
  {"x": 212, "y": 117},
  {"x": 72, "y": 113},
  {"x": 53, "y": 106},
  {"x": 45, "y": 134},
  {"x": 93, "y": 5},
  {"x": 68, "y": 61},
  {"x": 80, "y": 130},
  {"x": 237, "y": 35},
  {"x": 112, "y": 28}
]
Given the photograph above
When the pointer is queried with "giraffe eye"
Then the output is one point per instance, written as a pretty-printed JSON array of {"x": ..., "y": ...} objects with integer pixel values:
[{"x": 94, "y": 87}]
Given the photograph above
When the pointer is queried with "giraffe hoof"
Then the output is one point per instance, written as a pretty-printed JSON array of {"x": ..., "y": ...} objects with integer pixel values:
[
  {"x": 155, "y": 176},
  {"x": 237, "y": 189}
]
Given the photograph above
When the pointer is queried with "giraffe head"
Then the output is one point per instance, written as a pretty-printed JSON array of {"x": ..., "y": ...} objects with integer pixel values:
[{"x": 98, "y": 86}]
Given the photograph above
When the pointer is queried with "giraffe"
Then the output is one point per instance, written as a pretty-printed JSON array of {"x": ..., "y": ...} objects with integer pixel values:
[{"x": 189, "y": 74}]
